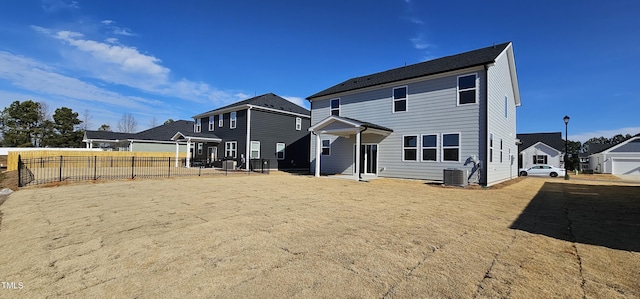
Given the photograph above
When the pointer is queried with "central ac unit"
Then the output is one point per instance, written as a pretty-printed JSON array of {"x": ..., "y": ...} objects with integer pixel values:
[{"x": 455, "y": 177}]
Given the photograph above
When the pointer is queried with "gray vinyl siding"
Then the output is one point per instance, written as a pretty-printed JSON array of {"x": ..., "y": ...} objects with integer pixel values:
[
  {"x": 270, "y": 128},
  {"x": 431, "y": 109},
  {"x": 499, "y": 86},
  {"x": 239, "y": 134}
]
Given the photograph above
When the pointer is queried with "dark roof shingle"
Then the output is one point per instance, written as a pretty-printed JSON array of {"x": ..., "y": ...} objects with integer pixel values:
[
  {"x": 268, "y": 100},
  {"x": 553, "y": 140},
  {"x": 445, "y": 64}
]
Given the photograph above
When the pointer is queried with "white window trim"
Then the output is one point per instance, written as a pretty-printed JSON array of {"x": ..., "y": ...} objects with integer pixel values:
[
  {"x": 417, "y": 148},
  {"x": 233, "y": 120},
  {"x": 437, "y": 148},
  {"x": 393, "y": 99},
  {"x": 212, "y": 123},
  {"x": 458, "y": 90},
  {"x": 459, "y": 147},
  {"x": 198, "y": 126},
  {"x": 227, "y": 149},
  {"x": 298, "y": 123},
  {"x": 220, "y": 120},
  {"x": 322, "y": 147},
  {"x": 252, "y": 149},
  {"x": 284, "y": 146},
  {"x": 339, "y": 106}
]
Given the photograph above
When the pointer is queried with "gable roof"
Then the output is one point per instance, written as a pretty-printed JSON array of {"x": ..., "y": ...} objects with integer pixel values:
[
  {"x": 441, "y": 65},
  {"x": 630, "y": 145},
  {"x": 553, "y": 140},
  {"x": 348, "y": 126},
  {"x": 268, "y": 101}
]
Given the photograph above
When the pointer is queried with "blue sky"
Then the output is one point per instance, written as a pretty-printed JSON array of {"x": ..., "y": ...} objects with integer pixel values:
[{"x": 175, "y": 59}]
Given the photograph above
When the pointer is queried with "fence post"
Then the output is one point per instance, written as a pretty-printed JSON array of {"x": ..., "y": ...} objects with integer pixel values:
[
  {"x": 19, "y": 171},
  {"x": 169, "y": 173},
  {"x": 95, "y": 168},
  {"x": 132, "y": 166},
  {"x": 60, "y": 169}
]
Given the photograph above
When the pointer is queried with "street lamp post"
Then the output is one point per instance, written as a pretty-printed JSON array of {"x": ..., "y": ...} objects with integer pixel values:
[{"x": 566, "y": 147}]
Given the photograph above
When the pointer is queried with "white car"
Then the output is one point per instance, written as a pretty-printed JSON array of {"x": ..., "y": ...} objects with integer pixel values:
[{"x": 542, "y": 170}]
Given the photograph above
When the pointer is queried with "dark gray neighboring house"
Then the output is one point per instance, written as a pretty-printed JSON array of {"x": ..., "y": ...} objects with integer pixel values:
[{"x": 263, "y": 128}]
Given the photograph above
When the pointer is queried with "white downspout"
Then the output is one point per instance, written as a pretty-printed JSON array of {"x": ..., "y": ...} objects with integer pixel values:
[
  {"x": 318, "y": 149},
  {"x": 247, "y": 153},
  {"x": 131, "y": 145}
]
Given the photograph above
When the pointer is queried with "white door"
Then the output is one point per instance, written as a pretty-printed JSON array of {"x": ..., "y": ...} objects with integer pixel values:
[{"x": 626, "y": 166}]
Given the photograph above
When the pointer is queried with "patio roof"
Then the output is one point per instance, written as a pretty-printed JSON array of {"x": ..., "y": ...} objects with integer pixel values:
[{"x": 344, "y": 126}]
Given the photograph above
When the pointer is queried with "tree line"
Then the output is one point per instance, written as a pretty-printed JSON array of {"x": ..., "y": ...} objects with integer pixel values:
[{"x": 30, "y": 124}]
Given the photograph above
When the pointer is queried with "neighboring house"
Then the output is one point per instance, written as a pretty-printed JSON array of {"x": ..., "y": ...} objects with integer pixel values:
[
  {"x": 622, "y": 158},
  {"x": 265, "y": 127},
  {"x": 541, "y": 148},
  {"x": 587, "y": 150},
  {"x": 156, "y": 139},
  {"x": 416, "y": 121}
]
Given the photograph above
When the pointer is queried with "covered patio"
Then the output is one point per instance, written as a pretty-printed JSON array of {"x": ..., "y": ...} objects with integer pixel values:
[
  {"x": 190, "y": 139},
  {"x": 365, "y": 154}
]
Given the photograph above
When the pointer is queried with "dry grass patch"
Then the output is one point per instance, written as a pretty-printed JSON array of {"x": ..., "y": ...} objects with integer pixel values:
[{"x": 298, "y": 236}]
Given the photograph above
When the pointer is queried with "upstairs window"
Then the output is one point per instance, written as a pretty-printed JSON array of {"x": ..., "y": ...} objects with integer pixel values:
[
  {"x": 335, "y": 107},
  {"x": 410, "y": 148},
  {"x": 212, "y": 123},
  {"x": 400, "y": 99},
  {"x": 198, "y": 126},
  {"x": 298, "y": 124},
  {"x": 451, "y": 147},
  {"x": 220, "y": 121},
  {"x": 467, "y": 89},
  {"x": 430, "y": 147},
  {"x": 506, "y": 107},
  {"x": 232, "y": 120}
]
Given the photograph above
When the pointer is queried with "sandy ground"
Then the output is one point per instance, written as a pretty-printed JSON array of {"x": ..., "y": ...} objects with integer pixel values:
[{"x": 282, "y": 235}]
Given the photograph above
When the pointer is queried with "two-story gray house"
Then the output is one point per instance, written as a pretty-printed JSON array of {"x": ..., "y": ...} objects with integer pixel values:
[
  {"x": 415, "y": 121},
  {"x": 263, "y": 127}
]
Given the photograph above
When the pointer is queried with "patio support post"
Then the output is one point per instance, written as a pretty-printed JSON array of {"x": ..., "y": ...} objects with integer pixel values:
[
  {"x": 188, "y": 152},
  {"x": 177, "y": 153},
  {"x": 318, "y": 149},
  {"x": 358, "y": 153}
]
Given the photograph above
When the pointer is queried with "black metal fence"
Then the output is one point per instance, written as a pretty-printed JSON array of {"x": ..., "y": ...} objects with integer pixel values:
[{"x": 44, "y": 170}]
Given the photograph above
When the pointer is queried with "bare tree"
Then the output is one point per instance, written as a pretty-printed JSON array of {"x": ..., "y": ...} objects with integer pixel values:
[
  {"x": 45, "y": 111},
  {"x": 127, "y": 123},
  {"x": 86, "y": 120},
  {"x": 153, "y": 123}
]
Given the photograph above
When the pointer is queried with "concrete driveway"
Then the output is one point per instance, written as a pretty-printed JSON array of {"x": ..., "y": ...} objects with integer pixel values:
[{"x": 630, "y": 178}]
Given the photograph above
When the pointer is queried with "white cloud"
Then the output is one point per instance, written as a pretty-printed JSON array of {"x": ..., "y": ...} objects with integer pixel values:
[
  {"x": 416, "y": 20},
  {"x": 298, "y": 101},
  {"x": 123, "y": 31},
  {"x": 582, "y": 137},
  {"x": 419, "y": 42},
  {"x": 111, "y": 40},
  {"x": 107, "y": 22},
  {"x": 51, "y": 6}
]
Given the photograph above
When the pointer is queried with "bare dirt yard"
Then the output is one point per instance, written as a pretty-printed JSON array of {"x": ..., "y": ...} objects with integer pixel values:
[{"x": 282, "y": 235}]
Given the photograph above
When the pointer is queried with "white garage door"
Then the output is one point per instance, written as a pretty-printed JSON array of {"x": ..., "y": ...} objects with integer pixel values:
[{"x": 626, "y": 166}]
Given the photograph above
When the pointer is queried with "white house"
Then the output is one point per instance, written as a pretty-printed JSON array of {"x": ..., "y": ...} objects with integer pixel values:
[
  {"x": 541, "y": 148},
  {"x": 622, "y": 158},
  {"x": 416, "y": 121}
]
